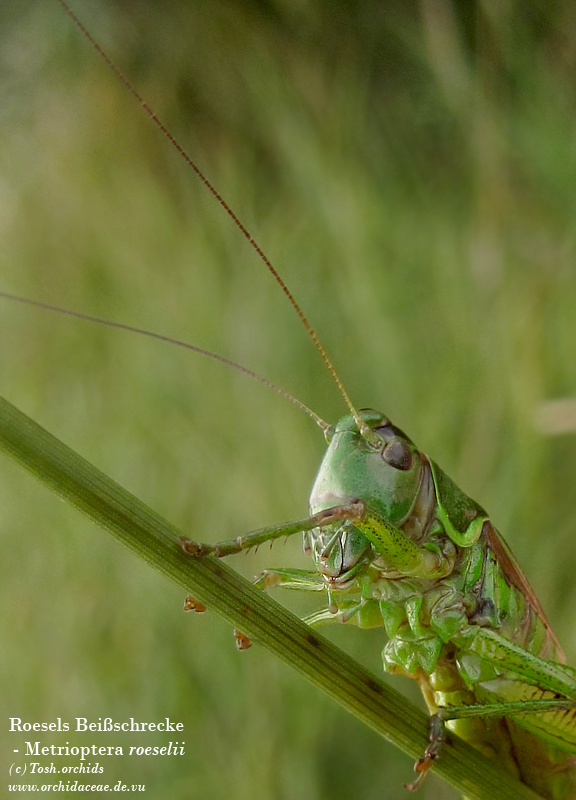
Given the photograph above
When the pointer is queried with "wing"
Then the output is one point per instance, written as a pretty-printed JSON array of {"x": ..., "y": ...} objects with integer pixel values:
[{"x": 516, "y": 577}]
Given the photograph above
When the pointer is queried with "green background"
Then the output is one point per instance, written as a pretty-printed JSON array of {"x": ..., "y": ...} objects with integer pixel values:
[{"x": 410, "y": 168}]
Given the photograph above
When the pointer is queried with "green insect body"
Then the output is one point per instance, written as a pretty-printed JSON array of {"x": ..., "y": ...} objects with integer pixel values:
[
  {"x": 397, "y": 544},
  {"x": 427, "y": 564}
]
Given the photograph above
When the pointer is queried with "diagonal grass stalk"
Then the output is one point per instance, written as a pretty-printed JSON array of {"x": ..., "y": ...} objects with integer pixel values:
[{"x": 260, "y": 617}]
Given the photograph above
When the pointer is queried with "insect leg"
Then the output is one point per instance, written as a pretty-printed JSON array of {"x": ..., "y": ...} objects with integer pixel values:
[
  {"x": 437, "y": 739},
  {"x": 401, "y": 553},
  {"x": 493, "y": 647},
  {"x": 268, "y": 534},
  {"x": 543, "y": 676},
  {"x": 504, "y": 709},
  {"x": 364, "y": 613},
  {"x": 300, "y": 579},
  {"x": 438, "y": 726}
]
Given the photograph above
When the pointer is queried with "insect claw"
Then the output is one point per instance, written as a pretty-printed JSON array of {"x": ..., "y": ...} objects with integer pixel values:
[
  {"x": 437, "y": 739},
  {"x": 191, "y": 604},
  {"x": 194, "y": 548},
  {"x": 421, "y": 768},
  {"x": 412, "y": 787},
  {"x": 242, "y": 641}
]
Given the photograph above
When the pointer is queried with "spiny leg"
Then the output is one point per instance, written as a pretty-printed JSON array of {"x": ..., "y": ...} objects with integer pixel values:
[
  {"x": 493, "y": 647},
  {"x": 548, "y": 676},
  {"x": 438, "y": 725},
  {"x": 504, "y": 709},
  {"x": 551, "y": 678},
  {"x": 401, "y": 553},
  {"x": 297, "y": 579},
  {"x": 351, "y": 511}
]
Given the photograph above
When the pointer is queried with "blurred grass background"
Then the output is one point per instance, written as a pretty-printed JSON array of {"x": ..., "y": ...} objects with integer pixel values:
[{"x": 410, "y": 168}]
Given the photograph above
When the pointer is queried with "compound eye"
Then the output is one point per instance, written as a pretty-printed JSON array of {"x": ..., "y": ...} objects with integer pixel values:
[{"x": 397, "y": 454}]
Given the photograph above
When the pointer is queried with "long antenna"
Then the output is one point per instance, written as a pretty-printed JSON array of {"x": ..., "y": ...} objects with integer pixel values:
[
  {"x": 162, "y": 338},
  {"x": 362, "y": 426}
]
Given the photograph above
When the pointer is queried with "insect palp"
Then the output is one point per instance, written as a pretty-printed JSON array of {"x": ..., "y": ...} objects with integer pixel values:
[{"x": 332, "y": 605}]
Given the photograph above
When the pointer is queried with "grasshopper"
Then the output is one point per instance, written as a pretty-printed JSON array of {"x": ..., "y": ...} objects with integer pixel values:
[{"x": 396, "y": 544}]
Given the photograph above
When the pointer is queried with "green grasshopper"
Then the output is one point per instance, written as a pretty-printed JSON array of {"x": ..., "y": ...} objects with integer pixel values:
[{"x": 396, "y": 544}]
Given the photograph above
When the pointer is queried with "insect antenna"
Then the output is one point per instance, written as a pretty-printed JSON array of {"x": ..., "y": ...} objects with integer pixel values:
[
  {"x": 170, "y": 340},
  {"x": 362, "y": 426}
]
